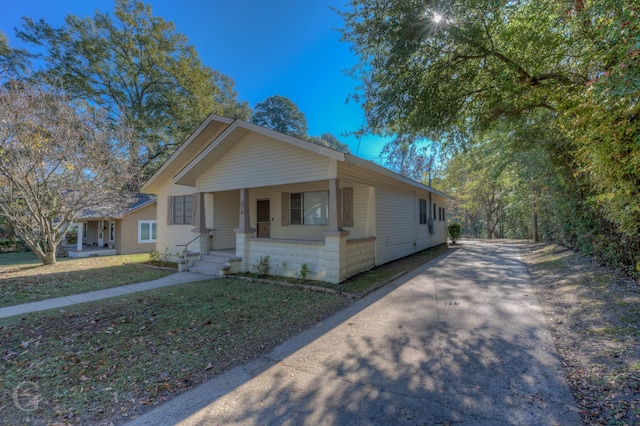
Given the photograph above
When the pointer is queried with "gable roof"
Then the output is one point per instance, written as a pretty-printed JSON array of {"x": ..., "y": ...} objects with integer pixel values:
[
  {"x": 216, "y": 135},
  {"x": 115, "y": 210},
  {"x": 207, "y": 132}
]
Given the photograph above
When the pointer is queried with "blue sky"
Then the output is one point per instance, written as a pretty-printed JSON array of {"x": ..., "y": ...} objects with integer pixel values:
[{"x": 280, "y": 47}]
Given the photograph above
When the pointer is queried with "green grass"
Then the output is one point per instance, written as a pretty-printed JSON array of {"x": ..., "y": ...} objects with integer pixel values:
[
  {"x": 22, "y": 259},
  {"x": 23, "y": 279},
  {"x": 102, "y": 361},
  {"x": 367, "y": 280},
  {"x": 98, "y": 360}
]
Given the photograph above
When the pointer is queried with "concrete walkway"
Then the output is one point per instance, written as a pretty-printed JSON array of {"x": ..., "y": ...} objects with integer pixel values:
[
  {"x": 60, "y": 302},
  {"x": 460, "y": 340}
]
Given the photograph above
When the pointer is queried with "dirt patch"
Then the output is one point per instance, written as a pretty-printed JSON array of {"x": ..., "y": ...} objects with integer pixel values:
[{"x": 594, "y": 316}]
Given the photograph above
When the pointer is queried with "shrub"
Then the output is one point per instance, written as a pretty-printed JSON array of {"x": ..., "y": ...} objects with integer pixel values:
[{"x": 455, "y": 230}]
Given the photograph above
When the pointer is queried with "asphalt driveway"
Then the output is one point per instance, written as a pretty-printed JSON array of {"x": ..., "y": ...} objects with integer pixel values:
[{"x": 460, "y": 340}]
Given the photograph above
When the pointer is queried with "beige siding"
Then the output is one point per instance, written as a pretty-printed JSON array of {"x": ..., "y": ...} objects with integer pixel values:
[
  {"x": 258, "y": 161},
  {"x": 397, "y": 223},
  {"x": 225, "y": 218},
  {"x": 171, "y": 236},
  {"x": 127, "y": 231},
  {"x": 364, "y": 214}
]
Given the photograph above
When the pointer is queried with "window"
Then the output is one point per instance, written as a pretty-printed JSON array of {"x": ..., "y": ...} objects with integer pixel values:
[
  {"x": 85, "y": 227},
  {"x": 309, "y": 208},
  {"x": 112, "y": 231},
  {"x": 423, "y": 211},
  {"x": 146, "y": 231},
  {"x": 182, "y": 210},
  {"x": 434, "y": 211}
]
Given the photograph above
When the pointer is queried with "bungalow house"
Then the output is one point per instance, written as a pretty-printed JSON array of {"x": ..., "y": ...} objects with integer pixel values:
[
  {"x": 263, "y": 199},
  {"x": 108, "y": 231}
]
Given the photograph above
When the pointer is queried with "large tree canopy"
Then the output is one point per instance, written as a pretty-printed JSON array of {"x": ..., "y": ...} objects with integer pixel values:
[
  {"x": 56, "y": 159},
  {"x": 480, "y": 60},
  {"x": 405, "y": 156},
  {"x": 12, "y": 61},
  {"x": 280, "y": 114},
  {"x": 330, "y": 141},
  {"x": 139, "y": 69},
  {"x": 559, "y": 78}
]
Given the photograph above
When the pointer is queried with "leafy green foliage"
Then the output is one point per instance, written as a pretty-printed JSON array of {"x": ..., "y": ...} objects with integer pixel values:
[
  {"x": 282, "y": 115},
  {"x": 139, "y": 69},
  {"x": 537, "y": 102},
  {"x": 330, "y": 141},
  {"x": 404, "y": 156},
  {"x": 455, "y": 232},
  {"x": 262, "y": 266}
]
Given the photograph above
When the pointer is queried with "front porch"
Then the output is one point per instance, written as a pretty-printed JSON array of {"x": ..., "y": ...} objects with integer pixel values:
[{"x": 315, "y": 246}]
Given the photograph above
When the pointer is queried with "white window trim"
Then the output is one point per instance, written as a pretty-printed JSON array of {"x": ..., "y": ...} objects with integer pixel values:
[
  {"x": 112, "y": 231},
  {"x": 150, "y": 223}
]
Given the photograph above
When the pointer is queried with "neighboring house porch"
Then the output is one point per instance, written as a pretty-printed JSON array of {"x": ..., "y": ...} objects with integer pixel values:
[{"x": 126, "y": 231}]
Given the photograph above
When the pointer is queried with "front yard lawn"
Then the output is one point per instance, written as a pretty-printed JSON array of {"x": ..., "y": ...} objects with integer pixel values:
[
  {"x": 108, "y": 360},
  {"x": 24, "y": 279}
]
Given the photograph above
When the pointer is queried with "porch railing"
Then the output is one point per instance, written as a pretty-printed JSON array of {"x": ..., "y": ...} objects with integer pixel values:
[{"x": 185, "y": 251}]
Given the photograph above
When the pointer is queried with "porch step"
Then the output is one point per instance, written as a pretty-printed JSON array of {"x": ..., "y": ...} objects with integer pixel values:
[{"x": 212, "y": 263}]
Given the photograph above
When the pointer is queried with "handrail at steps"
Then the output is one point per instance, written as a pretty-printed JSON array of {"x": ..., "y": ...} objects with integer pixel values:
[{"x": 185, "y": 251}]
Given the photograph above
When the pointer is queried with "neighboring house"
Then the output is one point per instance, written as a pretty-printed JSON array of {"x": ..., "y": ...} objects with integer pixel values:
[
  {"x": 127, "y": 230},
  {"x": 237, "y": 188}
]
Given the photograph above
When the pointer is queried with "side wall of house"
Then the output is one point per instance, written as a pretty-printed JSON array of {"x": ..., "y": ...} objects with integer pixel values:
[
  {"x": 398, "y": 229},
  {"x": 170, "y": 236},
  {"x": 127, "y": 231}
]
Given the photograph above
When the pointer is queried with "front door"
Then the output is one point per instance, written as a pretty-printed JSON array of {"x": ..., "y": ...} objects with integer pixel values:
[
  {"x": 264, "y": 219},
  {"x": 100, "y": 233},
  {"x": 112, "y": 231}
]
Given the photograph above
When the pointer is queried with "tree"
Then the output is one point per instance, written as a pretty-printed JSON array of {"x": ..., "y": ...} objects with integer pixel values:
[
  {"x": 141, "y": 71},
  {"x": 56, "y": 159},
  {"x": 455, "y": 231},
  {"x": 568, "y": 69},
  {"x": 405, "y": 157},
  {"x": 330, "y": 141},
  {"x": 12, "y": 61},
  {"x": 280, "y": 114},
  {"x": 474, "y": 66}
]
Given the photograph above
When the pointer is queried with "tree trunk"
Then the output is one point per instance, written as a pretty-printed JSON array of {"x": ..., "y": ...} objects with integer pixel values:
[
  {"x": 48, "y": 255},
  {"x": 534, "y": 224},
  {"x": 50, "y": 258}
]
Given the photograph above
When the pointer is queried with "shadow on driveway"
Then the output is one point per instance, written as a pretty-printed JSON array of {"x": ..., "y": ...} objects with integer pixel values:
[{"x": 459, "y": 340}]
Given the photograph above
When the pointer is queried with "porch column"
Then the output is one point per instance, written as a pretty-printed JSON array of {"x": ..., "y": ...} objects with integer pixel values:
[
  {"x": 335, "y": 238},
  {"x": 245, "y": 220},
  {"x": 335, "y": 207},
  {"x": 244, "y": 231},
  {"x": 80, "y": 236},
  {"x": 198, "y": 217}
]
